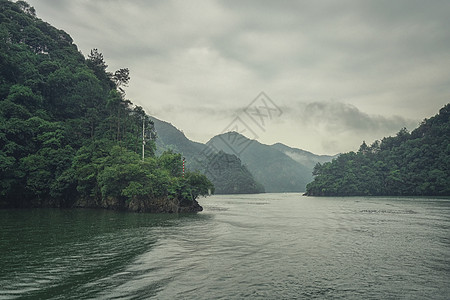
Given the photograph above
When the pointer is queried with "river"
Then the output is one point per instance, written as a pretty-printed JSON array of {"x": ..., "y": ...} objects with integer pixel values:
[{"x": 268, "y": 246}]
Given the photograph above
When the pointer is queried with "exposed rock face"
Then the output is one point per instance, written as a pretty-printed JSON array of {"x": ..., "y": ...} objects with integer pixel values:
[{"x": 146, "y": 205}]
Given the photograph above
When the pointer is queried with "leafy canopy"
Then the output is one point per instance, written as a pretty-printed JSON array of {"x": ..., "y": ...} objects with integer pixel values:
[
  {"x": 67, "y": 130},
  {"x": 416, "y": 163}
]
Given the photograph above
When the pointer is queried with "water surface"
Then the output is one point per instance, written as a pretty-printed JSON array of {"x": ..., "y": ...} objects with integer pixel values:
[{"x": 269, "y": 246}]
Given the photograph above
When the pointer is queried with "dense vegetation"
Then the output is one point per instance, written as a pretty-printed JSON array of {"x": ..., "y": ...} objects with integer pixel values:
[
  {"x": 416, "y": 163},
  {"x": 68, "y": 135}
]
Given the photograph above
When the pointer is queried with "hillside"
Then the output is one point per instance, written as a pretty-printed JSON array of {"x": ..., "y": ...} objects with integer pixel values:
[
  {"x": 225, "y": 171},
  {"x": 68, "y": 134},
  {"x": 278, "y": 168},
  {"x": 170, "y": 137},
  {"x": 413, "y": 164}
]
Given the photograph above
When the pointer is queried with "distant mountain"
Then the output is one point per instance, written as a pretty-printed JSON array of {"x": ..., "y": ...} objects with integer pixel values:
[
  {"x": 278, "y": 168},
  {"x": 236, "y": 164},
  {"x": 226, "y": 171}
]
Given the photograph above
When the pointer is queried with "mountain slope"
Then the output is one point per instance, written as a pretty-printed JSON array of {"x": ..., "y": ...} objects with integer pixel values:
[
  {"x": 271, "y": 165},
  {"x": 169, "y": 137},
  {"x": 226, "y": 171}
]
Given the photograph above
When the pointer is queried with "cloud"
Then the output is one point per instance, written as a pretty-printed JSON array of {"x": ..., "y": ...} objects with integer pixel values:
[
  {"x": 331, "y": 126},
  {"x": 337, "y": 117},
  {"x": 327, "y": 62}
]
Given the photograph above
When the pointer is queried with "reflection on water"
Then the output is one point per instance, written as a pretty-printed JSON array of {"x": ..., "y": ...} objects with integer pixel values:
[{"x": 265, "y": 246}]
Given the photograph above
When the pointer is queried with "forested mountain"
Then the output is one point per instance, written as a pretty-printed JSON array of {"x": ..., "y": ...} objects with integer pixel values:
[
  {"x": 278, "y": 167},
  {"x": 68, "y": 135},
  {"x": 416, "y": 163},
  {"x": 225, "y": 171},
  {"x": 170, "y": 137}
]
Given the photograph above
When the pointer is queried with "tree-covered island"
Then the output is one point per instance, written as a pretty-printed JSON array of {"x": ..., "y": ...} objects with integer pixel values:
[
  {"x": 409, "y": 164},
  {"x": 68, "y": 135}
]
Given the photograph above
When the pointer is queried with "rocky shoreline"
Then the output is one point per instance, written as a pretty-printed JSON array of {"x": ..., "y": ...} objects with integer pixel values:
[
  {"x": 142, "y": 205},
  {"x": 138, "y": 205}
]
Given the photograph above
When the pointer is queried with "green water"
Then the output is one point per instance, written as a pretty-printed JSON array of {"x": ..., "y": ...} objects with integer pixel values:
[{"x": 270, "y": 246}]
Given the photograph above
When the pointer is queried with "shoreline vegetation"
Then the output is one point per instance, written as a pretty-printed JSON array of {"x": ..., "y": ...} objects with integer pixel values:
[
  {"x": 69, "y": 137},
  {"x": 413, "y": 163}
]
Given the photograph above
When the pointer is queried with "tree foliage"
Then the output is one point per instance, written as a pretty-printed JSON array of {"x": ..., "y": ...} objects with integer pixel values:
[
  {"x": 416, "y": 163},
  {"x": 66, "y": 129}
]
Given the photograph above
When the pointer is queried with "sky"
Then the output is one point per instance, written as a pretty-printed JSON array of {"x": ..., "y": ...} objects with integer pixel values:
[{"x": 322, "y": 76}]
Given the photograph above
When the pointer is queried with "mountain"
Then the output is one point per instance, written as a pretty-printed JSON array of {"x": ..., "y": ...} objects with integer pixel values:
[
  {"x": 224, "y": 170},
  {"x": 170, "y": 137},
  {"x": 278, "y": 167},
  {"x": 409, "y": 164},
  {"x": 68, "y": 135}
]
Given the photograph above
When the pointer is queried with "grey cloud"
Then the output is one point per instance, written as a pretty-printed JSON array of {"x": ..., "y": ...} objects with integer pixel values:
[
  {"x": 205, "y": 59},
  {"x": 340, "y": 117},
  {"x": 214, "y": 112},
  {"x": 354, "y": 32}
]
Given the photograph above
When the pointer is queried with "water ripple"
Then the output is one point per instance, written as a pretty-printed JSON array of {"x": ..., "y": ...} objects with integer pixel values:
[{"x": 245, "y": 246}]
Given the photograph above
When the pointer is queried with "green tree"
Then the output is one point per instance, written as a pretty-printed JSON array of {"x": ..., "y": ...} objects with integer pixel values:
[
  {"x": 415, "y": 163},
  {"x": 67, "y": 132}
]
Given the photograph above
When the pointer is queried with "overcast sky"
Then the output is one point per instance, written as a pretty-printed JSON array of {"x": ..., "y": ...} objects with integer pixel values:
[{"x": 339, "y": 72}]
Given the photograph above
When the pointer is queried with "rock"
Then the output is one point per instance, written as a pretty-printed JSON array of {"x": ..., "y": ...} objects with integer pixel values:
[
  {"x": 144, "y": 205},
  {"x": 163, "y": 205}
]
